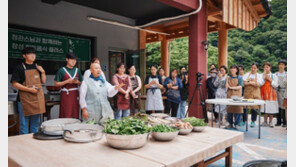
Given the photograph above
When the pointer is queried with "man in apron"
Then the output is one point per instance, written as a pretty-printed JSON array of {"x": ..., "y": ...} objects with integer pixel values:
[
  {"x": 282, "y": 79},
  {"x": 69, "y": 78},
  {"x": 27, "y": 78},
  {"x": 235, "y": 84}
]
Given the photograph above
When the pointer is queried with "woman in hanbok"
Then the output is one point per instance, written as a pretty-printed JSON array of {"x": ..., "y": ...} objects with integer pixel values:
[
  {"x": 94, "y": 93},
  {"x": 268, "y": 93}
]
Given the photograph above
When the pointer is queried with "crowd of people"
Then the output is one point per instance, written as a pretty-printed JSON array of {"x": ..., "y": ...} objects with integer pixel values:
[
  {"x": 91, "y": 91},
  {"x": 268, "y": 86}
]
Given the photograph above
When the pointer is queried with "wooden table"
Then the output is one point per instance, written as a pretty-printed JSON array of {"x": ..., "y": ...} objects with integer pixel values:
[{"x": 185, "y": 151}]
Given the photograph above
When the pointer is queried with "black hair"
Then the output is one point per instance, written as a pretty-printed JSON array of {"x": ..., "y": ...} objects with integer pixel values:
[
  {"x": 173, "y": 71},
  {"x": 213, "y": 65},
  {"x": 71, "y": 55},
  {"x": 154, "y": 65},
  {"x": 28, "y": 50},
  {"x": 282, "y": 61},
  {"x": 255, "y": 64},
  {"x": 266, "y": 63},
  {"x": 182, "y": 67},
  {"x": 225, "y": 68},
  {"x": 212, "y": 69},
  {"x": 131, "y": 66},
  {"x": 235, "y": 66},
  {"x": 241, "y": 66},
  {"x": 118, "y": 66}
]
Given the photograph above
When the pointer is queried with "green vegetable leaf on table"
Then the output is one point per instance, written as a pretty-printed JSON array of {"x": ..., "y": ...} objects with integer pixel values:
[
  {"x": 163, "y": 128},
  {"x": 126, "y": 126},
  {"x": 195, "y": 121}
]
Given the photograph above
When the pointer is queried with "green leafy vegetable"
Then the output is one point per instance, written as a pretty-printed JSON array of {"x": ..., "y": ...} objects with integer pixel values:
[
  {"x": 90, "y": 122},
  {"x": 195, "y": 121},
  {"x": 126, "y": 126},
  {"x": 163, "y": 128},
  {"x": 141, "y": 116}
]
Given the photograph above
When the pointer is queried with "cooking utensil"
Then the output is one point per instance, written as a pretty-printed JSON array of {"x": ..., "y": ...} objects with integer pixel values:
[
  {"x": 185, "y": 131},
  {"x": 42, "y": 136},
  {"x": 127, "y": 141},
  {"x": 82, "y": 133},
  {"x": 198, "y": 128},
  {"x": 164, "y": 136},
  {"x": 56, "y": 126}
]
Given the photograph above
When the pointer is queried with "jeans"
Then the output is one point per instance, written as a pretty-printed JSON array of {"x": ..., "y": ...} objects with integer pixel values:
[
  {"x": 24, "y": 121},
  {"x": 122, "y": 113},
  {"x": 181, "y": 109},
  {"x": 171, "y": 105},
  {"x": 254, "y": 114},
  {"x": 281, "y": 117},
  {"x": 237, "y": 118},
  {"x": 245, "y": 115}
]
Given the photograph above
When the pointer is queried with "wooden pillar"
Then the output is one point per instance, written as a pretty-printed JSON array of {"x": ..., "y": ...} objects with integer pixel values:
[
  {"x": 165, "y": 61},
  {"x": 197, "y": 57},
  {"x": 222, "y": 44},
  {"x": 142, "y": 48}
]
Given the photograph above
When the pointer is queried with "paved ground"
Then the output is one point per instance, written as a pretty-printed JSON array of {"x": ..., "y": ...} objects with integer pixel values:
[{"x": 272, "y": 145}]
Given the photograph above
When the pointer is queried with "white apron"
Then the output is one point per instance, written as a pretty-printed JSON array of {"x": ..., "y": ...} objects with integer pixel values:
[{"x": 154, "y": 99}]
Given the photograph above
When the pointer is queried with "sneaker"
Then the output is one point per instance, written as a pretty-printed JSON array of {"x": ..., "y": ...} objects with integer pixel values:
[
  {"x": 264, "y": 124},
  {"x": 252, "y": 124},
  {"x": 284, "y": 126},
  {"x": 277, "y": 124},
  {"x": 271, "y": 125},
  {"x": 242, "y": 123},
  {"x": 235, "y": 127}
]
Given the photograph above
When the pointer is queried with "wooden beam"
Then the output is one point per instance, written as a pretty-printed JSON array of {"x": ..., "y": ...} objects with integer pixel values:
[
  {"x": 214, "y": 13},
  {"x": 187, "y": 6},
  {"x": 165, "y": 61},
  {"x": 222, "y": 44},
  {"x": 251, "y": 9},
  {"x": 142, "y": 48}
]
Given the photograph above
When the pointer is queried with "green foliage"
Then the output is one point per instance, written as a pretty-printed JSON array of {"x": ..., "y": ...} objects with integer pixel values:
[
  {"x": 195, "y": 121},
  {"x": 163, "y": 128},
  {"x": 267, "y": 42},
  {"x": 126, "y": 126}
]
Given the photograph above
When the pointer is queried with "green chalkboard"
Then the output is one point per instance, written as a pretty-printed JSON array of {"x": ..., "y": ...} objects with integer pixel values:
[{"x": 48, "y": 46}]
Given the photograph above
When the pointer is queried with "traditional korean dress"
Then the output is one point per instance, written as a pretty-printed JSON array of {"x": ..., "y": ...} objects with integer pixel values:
[
  {"x": 221, "y": 93},
  {"x": 154, "y": 99},
  {"x": 94, "y": 93},
  {"x": 268, "y": 94}
]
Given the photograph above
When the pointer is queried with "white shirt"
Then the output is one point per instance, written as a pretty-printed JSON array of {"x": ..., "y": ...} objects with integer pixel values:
[
  {"x": 87, "y": 74},
  {"x": 253, "y": 76},
  {"x": 83, "y": 91}
]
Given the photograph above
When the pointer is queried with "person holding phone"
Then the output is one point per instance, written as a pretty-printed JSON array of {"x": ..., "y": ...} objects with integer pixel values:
[
  {"x": 69, "y": 78},
  {"x": 27, "y": 78}
]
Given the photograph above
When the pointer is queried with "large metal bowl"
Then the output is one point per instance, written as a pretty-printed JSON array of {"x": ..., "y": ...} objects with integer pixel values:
[
  {"x": 198, "y": 128},
  {"x": 164, "y": 136},
  {"x": 185, "y": 131},
  {"x": 127, "y": 141},
  {"x": 82, "y": 133},
  {"x": 56, "y": 126}
]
